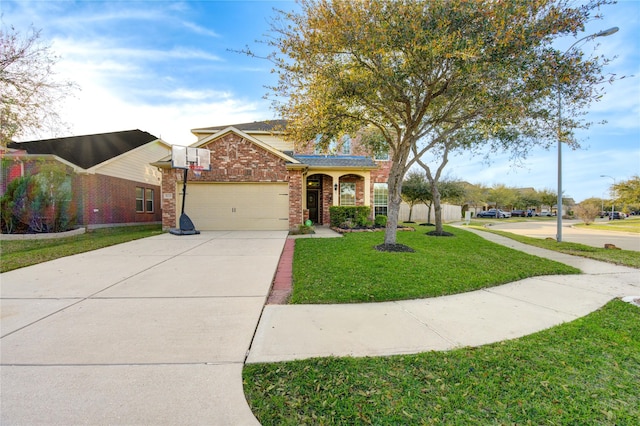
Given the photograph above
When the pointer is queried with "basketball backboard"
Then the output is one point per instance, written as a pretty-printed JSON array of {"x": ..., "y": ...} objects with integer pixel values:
[{"x": 182, "y": 157}]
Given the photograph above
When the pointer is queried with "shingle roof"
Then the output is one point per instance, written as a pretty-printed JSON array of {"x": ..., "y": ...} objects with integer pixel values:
[
  {"x": 256, "y": 126},
  {"x": 336, "y": 160},
  {"x": 89, "y": 150}
]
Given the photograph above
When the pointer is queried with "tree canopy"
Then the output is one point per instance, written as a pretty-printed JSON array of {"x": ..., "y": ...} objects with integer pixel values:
[
  {"x": 29, "y": 90},
  {"x": 421, "y": 70},
  {"x": 628, "y": 191}
]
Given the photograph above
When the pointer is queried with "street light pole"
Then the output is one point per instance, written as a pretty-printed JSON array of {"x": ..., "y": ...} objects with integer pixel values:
[
  {"x": 604, "y": 33},
  {"x": 613, "y": 197}
]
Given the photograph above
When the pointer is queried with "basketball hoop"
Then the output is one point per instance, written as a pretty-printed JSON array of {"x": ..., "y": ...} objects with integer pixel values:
[{"x": 197, "y": 170}]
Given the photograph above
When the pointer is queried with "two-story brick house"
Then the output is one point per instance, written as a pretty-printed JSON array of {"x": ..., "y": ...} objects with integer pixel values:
[{"x": 258, "y": 180}]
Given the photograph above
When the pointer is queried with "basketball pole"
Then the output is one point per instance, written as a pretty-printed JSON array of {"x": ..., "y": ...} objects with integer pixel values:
[{"x": 184, "y": 189}]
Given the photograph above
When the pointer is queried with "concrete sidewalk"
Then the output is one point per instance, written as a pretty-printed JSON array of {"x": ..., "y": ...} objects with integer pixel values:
[
  {"x": 289, "y": 332},
  {"x": 154, "y": 331}
]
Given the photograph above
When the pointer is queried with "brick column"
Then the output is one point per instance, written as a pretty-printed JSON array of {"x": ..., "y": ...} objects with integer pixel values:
[
  {"x": 169, "y": 198},
  {"x": 295, "y": 199}
]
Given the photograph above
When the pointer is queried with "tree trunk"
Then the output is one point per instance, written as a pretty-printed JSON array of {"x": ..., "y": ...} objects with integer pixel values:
[
  {"x": 396, "y": 174},
  {"x": 438, "y": 207},
  {"x": 410, "y": 211}
]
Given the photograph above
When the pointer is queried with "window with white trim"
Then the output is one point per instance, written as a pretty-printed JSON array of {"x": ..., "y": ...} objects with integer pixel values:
[
  {"x": 139, "y": 199},
  {"x": 148, "y": 200},
  {"x": 144, "y": 200},
  {"x": 348, "y": 194},
  {"x": 380, "y": 199},
  {"x": 346, "y": 145}
]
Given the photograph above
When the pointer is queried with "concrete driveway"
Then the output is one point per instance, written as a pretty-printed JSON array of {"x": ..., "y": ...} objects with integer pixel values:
[
  {"x": 586, "y": 236},
  {"x": 154, "y": 331}
]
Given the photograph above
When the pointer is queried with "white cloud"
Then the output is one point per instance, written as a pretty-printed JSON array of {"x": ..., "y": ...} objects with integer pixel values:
[
  {"x": 97, "y": 110},
  {"x": 199, "y": 29}
]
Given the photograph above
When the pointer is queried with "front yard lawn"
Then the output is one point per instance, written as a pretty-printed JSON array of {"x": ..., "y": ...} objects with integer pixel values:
[
  {"x": 349, "y": 269},
  {"x": 16, "y": 254},
  {"x": 579, "y": 373}
]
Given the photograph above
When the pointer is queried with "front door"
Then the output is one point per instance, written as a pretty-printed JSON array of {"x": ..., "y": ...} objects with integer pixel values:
[{"x": 312, "y": 205}]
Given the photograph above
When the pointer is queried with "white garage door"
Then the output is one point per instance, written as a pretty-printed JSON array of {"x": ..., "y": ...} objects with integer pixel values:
[{"x": 236, "y": 206}]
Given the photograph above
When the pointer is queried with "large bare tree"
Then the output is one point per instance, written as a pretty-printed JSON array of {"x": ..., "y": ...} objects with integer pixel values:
[
  {"x": 414, "y": 70},
  {"x": 30, "y": 92}
]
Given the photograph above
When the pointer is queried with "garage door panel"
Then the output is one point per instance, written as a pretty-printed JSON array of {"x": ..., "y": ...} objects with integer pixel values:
[{"x": 237, "y": 206}]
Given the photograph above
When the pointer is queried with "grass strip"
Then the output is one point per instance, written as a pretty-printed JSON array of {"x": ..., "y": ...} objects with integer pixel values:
[
  {"x": 16, "y": 254},
  {"x": 619, "y": 257},
  {"x": 349, "y": 269},
  {"x": 627, "y": 225},
  {"x": 583, "y": 372}
]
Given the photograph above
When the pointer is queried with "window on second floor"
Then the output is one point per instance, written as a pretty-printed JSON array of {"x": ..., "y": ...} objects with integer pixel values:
[
  {"x": 381, "y": 156},
  {"x": 346, "y": 145},
  {"x": 334, "y": 148}
]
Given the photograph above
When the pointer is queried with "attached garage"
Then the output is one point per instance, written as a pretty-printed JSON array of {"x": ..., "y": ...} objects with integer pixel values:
[{"x": 236, "y": 206}]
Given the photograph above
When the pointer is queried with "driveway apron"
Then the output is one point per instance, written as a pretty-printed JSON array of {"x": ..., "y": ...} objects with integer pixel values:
[{"x": 153, "y": 331}]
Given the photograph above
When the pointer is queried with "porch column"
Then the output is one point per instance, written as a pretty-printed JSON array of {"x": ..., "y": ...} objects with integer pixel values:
[
  {"x": 335, "y": 199},
  {"x": 367, "y": 190}
]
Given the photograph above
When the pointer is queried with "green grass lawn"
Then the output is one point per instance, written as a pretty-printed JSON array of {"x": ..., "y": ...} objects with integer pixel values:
[
  {"x": 620, "y": 257},
  {"x": 631, "y": 224},
  {"x": 349, "y": 269},
  {"x": 580, "y": 373},
  {"x": 16, "y": 254}
]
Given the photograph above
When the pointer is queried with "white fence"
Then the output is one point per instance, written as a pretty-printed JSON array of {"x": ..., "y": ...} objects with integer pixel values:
[{"x": 419, "y": 213}]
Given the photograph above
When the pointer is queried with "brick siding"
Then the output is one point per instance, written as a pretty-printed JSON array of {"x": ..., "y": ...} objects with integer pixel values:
[{"x": 111, "y": 200}]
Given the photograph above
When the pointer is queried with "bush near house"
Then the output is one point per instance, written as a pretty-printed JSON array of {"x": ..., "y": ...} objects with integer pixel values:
[
  {"x": 38, "y": 203},
  {"x": 381, "y": 221},
  {"x": 350, "y": 216}
]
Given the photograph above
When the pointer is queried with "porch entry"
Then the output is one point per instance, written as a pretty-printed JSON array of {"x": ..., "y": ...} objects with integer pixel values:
[
  {"x": 312, "y": 205},
  {"x": 314, "y": 192}
]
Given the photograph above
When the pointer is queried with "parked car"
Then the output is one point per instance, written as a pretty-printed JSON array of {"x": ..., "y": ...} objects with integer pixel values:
[
  {"x": 615, "y": 215},
  {"x": 547, "y": 214},
  {"x": 492, "y": 214},
  {"x": 518, "y": 213}
]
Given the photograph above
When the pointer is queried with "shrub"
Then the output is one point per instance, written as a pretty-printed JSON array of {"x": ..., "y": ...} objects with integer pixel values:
[
  {"x": 305, "y": 229},
  {"x": 38, "y": 202},
  {"x": 587, "y": 212},
  {"x": 381, "y": 221},
  {"x": 354, "y": 215}
]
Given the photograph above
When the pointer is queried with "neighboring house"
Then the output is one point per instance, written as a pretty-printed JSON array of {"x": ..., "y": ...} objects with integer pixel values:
[
  {"x": 260, "y": 181},
  {"x": 113, "y": 181}
]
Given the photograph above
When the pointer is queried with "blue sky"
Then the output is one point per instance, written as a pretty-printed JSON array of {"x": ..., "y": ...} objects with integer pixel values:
[{"x": 167, "y": 67}]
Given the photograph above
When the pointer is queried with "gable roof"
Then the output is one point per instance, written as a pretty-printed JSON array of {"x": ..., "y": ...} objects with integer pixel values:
[
  {"x": 256, "y": 126},
  {"x": 165, "y": 162},
  {"x": 88, "y": 150}
]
